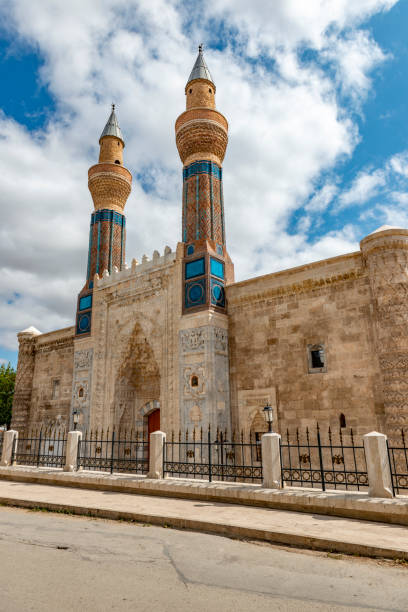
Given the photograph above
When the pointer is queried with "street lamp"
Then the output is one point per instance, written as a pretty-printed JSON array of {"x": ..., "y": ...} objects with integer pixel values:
[
  {"x": 75, "y": 418},
  {"x": 268, "y": 414}
]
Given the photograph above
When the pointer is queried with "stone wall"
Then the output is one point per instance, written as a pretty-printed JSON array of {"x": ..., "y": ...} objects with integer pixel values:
[
  {"x": 274, "y": 320},
  {"x": 52, "y": 379}
]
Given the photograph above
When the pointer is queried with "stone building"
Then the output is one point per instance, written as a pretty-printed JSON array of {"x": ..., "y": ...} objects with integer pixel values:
[{"x": 173, "y": 341}]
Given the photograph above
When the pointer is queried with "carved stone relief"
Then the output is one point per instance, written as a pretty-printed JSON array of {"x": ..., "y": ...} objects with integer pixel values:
[{"x": 81, "y": 388}]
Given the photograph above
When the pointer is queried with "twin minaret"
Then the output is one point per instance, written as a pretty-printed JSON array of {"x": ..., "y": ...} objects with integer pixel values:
[
  {"x": 110, "y": 184},
  {"x": 201, "y": 137}
]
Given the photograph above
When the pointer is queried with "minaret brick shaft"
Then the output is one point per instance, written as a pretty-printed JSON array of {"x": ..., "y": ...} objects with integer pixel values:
[{"x": 110, "y": 184}]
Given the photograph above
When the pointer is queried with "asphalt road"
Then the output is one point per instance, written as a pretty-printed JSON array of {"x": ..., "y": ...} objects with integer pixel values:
[{"x": 58, "y": 562}]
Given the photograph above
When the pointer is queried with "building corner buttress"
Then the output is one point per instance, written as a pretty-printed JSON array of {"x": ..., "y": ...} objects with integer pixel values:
[
  {"x": 24, "y": 380},
  {"x": 385, "y": 252}
]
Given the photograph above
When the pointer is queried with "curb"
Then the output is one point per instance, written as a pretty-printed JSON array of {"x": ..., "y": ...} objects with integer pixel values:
[
  {"x": 223, "y": 529},
  {"x": 341, "y": 504}
]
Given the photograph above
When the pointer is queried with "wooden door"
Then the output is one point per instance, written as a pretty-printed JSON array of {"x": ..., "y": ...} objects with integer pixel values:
[{"x": 153, "y": 421}]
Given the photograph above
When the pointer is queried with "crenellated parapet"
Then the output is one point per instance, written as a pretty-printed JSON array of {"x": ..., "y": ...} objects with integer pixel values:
[
  {"x": 385, "y": 253},
  {"x": 145, "y": 266}
]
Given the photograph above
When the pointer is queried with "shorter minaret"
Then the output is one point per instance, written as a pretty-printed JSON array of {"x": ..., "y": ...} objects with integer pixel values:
[{"x": 110, "y": 184}]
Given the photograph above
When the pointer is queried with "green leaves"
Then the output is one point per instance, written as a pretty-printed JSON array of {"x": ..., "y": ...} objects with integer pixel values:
[{"x": 7, "y": 381}]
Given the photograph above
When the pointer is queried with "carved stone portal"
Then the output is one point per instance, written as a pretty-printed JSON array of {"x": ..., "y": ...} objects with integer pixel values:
[{"x": 138, "y": 381}]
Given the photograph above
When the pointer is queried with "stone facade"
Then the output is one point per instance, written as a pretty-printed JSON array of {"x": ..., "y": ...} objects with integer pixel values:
[{"x": 325, "y": 342}]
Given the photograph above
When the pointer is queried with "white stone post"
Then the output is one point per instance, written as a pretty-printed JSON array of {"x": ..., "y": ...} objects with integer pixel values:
[
  {"x": 271, "y": 461},
  {"x": 10, "y": 438},
  {"x": 71, "y": 453},
  {"x": 378, "y": 465},
  {"x": 157, "y": 440}
]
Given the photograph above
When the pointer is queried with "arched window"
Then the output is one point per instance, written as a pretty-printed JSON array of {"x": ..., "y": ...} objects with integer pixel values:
[
  {"x": 81, "y": 392},
  {"x": 190, "y": 91},
  {"x": 342, "y": 420},
  {"x": 117, "y": 161}
]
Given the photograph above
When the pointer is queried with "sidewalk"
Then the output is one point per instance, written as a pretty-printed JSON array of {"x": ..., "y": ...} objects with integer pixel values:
[{"x": 351, "y": 536}]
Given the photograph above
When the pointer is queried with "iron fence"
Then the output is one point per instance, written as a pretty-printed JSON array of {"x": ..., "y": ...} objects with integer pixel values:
[
  {"x": 337, "y": 462},
  {"x": 398, "y": 456},
  {"x": 118, "y": 451},
  {"x": 41, "y": 448},
  {"x": 207, "y": 456},
  {"x": 1, "y": 441}
]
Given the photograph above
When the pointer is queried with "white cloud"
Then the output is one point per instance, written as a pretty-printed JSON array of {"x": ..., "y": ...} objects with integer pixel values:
[
  {"x": 364, "y": 187},
  {"x": 287, "y": 126},
  {"x": 355, "y": 56},
  {"x": 399, "y": 164},
  {"x": 400, "y": 197},
  {"x": 322, "y": 198}
]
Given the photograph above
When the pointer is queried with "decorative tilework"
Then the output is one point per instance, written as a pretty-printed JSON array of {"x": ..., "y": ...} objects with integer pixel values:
[
  {"x": 84, "y": 323},
  {"x": 217, "y": 293},
  {"x": 195, "y": 293},
  {"x": 202, "y": 167},
  {"x": 190, "y": 249},
  {"x": 85, "y": 302},
  {"x": 216, "y": 268},
  {"x": 195, "y": 268},
  {"x": 108, "y": 215}
]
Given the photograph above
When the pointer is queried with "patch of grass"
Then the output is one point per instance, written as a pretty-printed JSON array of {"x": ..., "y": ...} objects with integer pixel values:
[{"x": 332, "y": 555}]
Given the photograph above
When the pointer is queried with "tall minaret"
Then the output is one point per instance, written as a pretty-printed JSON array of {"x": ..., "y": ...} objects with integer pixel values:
[
  {"x": 202, "y": 137},
  {"x": 110, "y": 184}
]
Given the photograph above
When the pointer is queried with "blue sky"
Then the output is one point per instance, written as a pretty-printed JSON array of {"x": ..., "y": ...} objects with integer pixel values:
[{"x": 315, "y": 93}]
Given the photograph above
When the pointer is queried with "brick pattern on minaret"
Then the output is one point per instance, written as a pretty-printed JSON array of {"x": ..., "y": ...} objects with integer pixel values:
[{"x": 110, "y": 184}]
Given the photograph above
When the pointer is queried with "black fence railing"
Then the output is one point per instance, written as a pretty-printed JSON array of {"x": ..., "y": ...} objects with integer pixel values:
[
  {"x": 41, "y": 448},
  {"x": 398, "y": 456},
  {"x": 334, "y": 461},
  {"x": 213, "y": 456},
  {"x": 1, "y": 441},
  {"x": 116, "y": 451}
]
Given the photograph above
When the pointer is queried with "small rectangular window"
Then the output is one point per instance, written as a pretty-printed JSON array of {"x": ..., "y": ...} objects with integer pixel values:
[{"x": 316, "y": 358}]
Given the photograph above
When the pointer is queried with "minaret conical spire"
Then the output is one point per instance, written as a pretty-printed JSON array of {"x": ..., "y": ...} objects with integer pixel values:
[
  {"x": 200, "y": 69},
  {"x": 112, "y": 127}
]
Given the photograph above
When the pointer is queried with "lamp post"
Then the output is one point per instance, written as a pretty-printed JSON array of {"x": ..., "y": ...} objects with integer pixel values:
[
  {"x": 268, "y": 414},
  {"x": 75, "y": 418}
]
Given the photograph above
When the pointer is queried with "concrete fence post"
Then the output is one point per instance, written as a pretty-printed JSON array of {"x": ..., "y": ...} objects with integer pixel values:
[
  {"x": 157, "y": 440},
  {"x": 10, "y": 438},
  {"x": 378, "y": 465},
  {"x": 71, "y": 452},
  {"x": 271, "y": 461}
]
